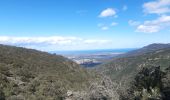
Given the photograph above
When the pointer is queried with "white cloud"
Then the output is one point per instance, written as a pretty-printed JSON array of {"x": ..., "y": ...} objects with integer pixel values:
[
  {"x": 114, "y": 24},
  {"x": 108, "y": 13},
  {"x": 104, "y": 28},
  {"x": 148, "y": 28},
  {"x": 97, "y": 41},
  {"x": 154, "y": 25},
  {"x": 54, "y": 42},
  {"x": 157, "y": 7},
  {"x": 124, "y": 8},
  {"x": 133, "y": 23},
  {"x": 160, "y": 7},
  {"x": 37, "y": 40}
]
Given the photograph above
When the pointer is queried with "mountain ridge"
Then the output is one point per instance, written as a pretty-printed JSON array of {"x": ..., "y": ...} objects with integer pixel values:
[{"x": 145, "y": 49}]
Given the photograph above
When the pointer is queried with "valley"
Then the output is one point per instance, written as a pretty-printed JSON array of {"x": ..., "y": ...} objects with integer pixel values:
[
  {"x": 92, "y": 58},
  {"x": 30, "y": 74},
  {"x": 84, "y": 50}
]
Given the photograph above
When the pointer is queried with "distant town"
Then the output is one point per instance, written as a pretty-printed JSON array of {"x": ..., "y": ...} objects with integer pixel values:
[{"x": 94, "y": 58}]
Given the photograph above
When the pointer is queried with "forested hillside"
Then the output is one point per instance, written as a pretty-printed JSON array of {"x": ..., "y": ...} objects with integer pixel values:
[
  {"x": 126, "y": 70},
  {"x": 29, "y": 74}
]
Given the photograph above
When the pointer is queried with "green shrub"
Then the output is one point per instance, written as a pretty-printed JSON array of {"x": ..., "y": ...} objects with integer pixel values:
[
  {"x": 4, "y": 69},
  {"x": 2, "y": 95}
]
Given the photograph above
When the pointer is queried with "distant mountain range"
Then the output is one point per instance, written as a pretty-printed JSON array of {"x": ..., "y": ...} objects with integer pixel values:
[{"x": 146, "y": 49}]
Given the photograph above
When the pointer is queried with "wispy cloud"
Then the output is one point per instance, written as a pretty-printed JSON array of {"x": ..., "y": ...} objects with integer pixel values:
[
  {"x": 157, "y": 7},
  {"x": 154, "y": 25},
  {"x": 133, "y": 23},
  {"x": 104, "y": 27},
  {"x": 100, "y": 24},
  {"x": 109, "y": 12},
  {"x": 114, "y": 24},
  {"x": 53, "y": 42},
  {"x": 97, "y": 41},
  {"x": 148, "y": 28},
  {"x": 124, "y": 8},
  {"x": 38, "y": 40}
]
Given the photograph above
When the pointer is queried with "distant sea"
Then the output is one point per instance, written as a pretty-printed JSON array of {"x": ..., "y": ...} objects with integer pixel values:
[{"x": 99, "y": 51}]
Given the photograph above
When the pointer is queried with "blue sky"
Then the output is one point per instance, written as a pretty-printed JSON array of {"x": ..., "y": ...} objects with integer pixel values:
[{"x": 84, "y": 24}]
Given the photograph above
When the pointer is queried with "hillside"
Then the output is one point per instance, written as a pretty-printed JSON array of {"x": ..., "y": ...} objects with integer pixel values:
[
  {"x": 123, "y": 70},
  {"x": 27, "y": 74},
  {"x": 122, "y": 66},
  {"x": 148, "y": 84}
]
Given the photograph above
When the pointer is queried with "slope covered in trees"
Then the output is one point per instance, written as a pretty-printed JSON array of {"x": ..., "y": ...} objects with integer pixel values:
[
  {"x": 29, "y": 74},
  {"x": 124, "y": 67},
  {"x": 137, "y": 70}
]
